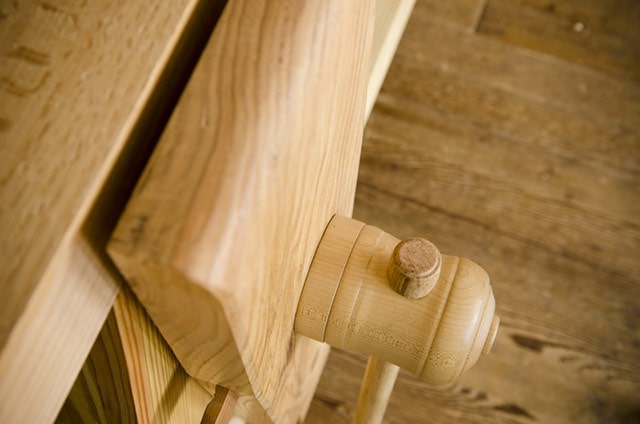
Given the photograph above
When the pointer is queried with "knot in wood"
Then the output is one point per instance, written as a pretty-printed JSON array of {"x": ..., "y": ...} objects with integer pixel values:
[{"x": 414, "y": 267}]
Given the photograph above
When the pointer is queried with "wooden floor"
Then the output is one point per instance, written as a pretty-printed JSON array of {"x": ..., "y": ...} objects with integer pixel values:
[{"x": 508, "y": 131}]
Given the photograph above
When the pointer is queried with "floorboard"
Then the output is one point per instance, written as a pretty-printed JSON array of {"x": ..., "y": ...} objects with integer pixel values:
[{"x": 603, "y": 35}]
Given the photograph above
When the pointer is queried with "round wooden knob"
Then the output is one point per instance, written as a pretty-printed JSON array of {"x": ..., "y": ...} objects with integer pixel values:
[{"x": 414, "y": 267}]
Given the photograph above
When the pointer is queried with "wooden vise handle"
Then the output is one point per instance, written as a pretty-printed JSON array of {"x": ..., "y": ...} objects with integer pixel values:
[{"x": 398, "y": 301}]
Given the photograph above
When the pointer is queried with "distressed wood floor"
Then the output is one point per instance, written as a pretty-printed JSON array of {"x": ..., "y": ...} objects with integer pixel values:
[{"x": 508, "y": 131}]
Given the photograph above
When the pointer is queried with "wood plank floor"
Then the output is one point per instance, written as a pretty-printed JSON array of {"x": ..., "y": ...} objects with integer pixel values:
[{"x": 508, "y": 131}]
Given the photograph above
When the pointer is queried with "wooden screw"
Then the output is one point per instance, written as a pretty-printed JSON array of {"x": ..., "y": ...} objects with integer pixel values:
[{"x": 414, "y": 267}]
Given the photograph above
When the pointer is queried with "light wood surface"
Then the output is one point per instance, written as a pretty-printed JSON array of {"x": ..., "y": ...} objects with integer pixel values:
[
  {"x": 274, "y": 110},
  {"x": 220, "y": 409},
  {"x": 377, "y": 385},
  {"x": 162, "y": 390},
  {"x": 102, "y": 392},
  {"x": 80, "y": 82},
  {"x": 436, "y": 337},
  {"x": 131, "y": 375},
  {"x": 51, "y": 52},
  {"x": 52, "y": 339},
  {"x": 528, "y": 163},
  {"x": 390, "y": 21}
]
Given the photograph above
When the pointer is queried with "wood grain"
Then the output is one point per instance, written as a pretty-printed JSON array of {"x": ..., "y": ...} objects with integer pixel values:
[
  {"x": 414, "y": 267},
  {"x": 510, "y": 95},
  {"x": 377, "y": 385},
  {"x": 602, "y": 35},
  {"x": 220, "y": 409},
  {"x": 131, "y": 376},
  {"x": 51, "y": 169},
  {"x": 391, "y": 18},
  {"x": 461, "y": 14},
  {"x": 527, "y": 163},
  {"x": 202, "y": 241},
  {"x": 75, "y": 119},
  {"x": 102, "y": 391},
  {"x": 162, "y": 390},
  {"x": 55, "y": 332}
]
